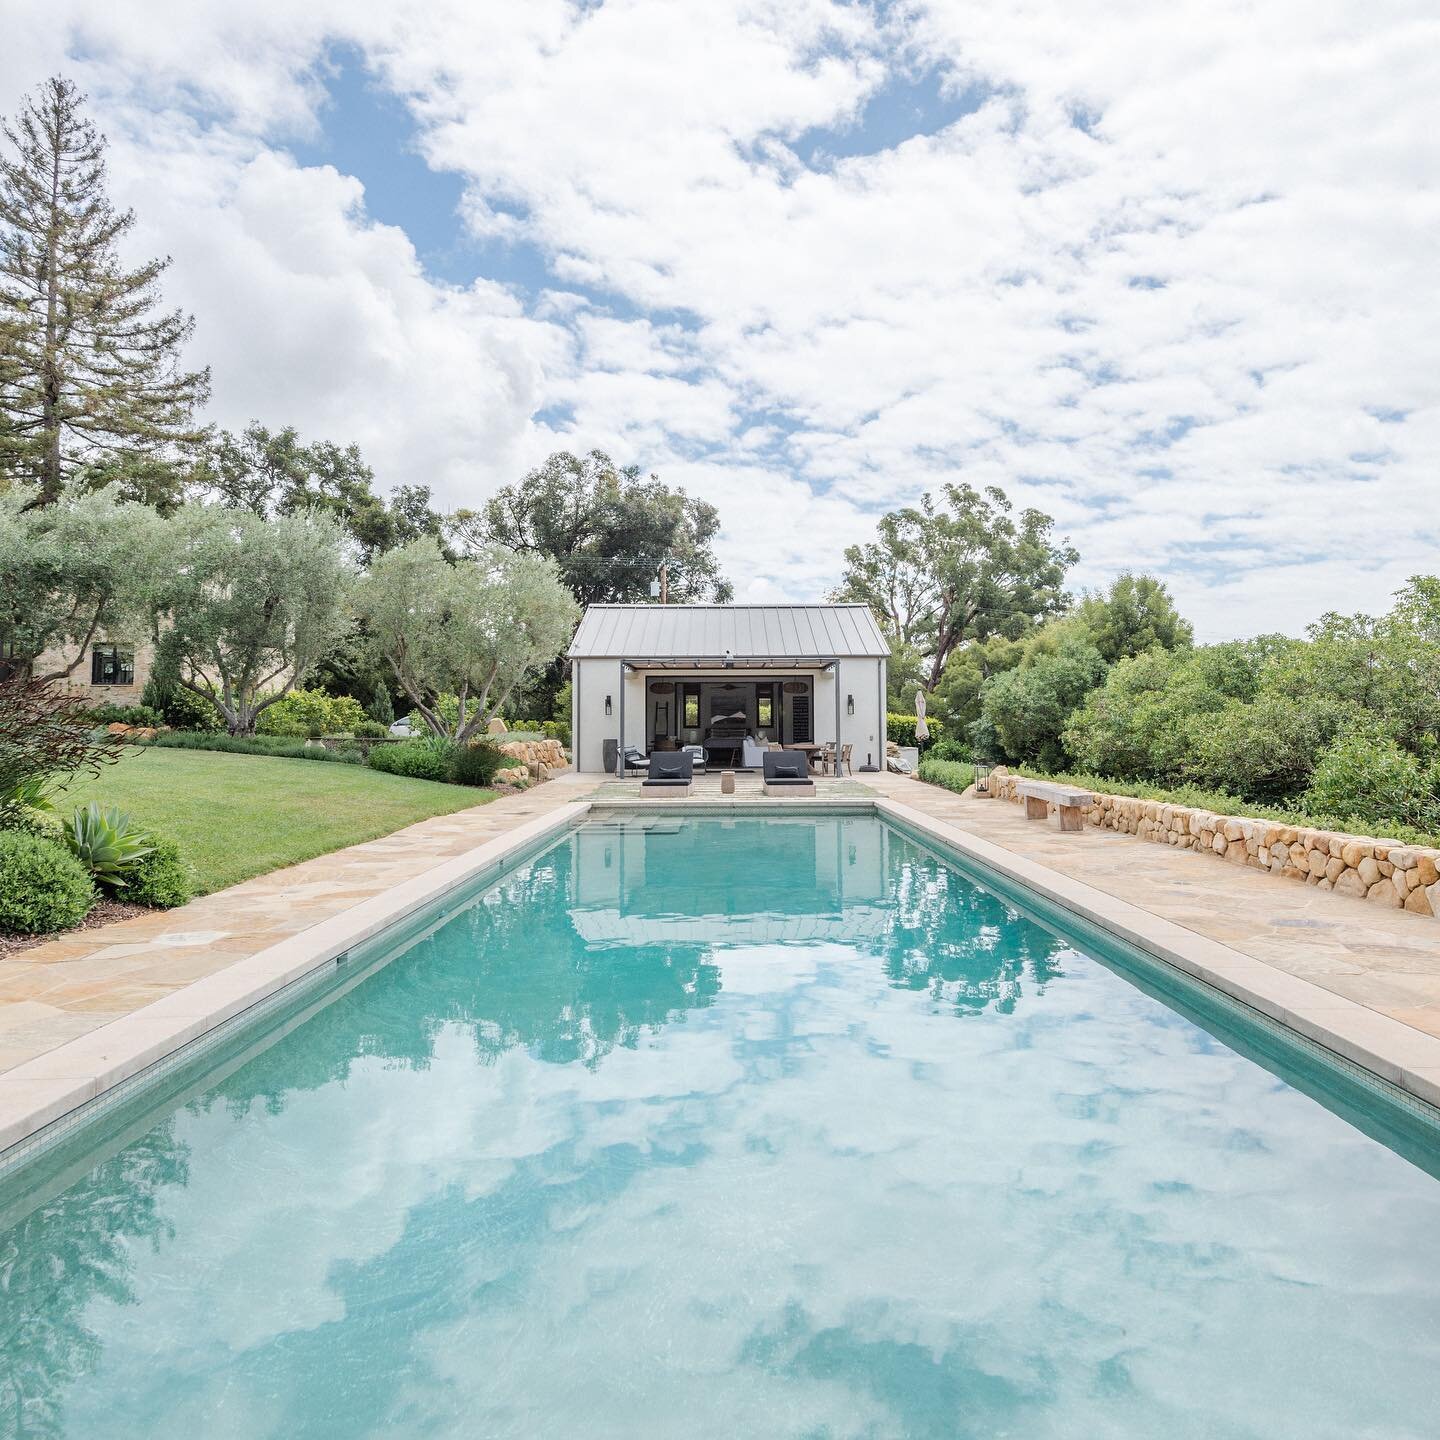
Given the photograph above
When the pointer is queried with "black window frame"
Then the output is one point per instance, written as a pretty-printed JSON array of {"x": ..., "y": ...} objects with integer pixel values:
[{"x": 112, "y": 664}]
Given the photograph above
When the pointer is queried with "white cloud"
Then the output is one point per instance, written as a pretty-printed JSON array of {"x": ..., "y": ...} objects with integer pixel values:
[{"x": 1167, "y": 281}]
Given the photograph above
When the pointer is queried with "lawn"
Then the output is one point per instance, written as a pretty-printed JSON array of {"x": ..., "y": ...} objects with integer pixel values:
[{"x": 235, "y": 816}]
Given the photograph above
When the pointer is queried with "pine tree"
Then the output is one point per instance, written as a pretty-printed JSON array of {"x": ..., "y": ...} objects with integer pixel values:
[{"x": 89, "y": 367}]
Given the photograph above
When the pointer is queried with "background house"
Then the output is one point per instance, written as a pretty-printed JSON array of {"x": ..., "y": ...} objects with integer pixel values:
[
  {"x": 111, "y": 670},
  {"x": 662, "y": 676}
]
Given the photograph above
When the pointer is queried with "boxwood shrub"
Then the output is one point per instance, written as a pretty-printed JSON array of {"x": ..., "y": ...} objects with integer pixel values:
[
  {"x": 42, "y": 886},
  {"x": 160, "y": 879}
]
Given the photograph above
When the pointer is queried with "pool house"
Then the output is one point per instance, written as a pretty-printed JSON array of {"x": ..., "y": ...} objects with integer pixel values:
[{"x": 666, "y": 677}]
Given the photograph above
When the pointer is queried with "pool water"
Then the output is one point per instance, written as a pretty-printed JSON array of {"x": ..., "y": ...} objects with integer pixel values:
[{"x": 733, "y": 1127}]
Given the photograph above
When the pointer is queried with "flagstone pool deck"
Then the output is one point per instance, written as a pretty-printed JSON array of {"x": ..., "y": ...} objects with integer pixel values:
[{"x": 80, "y": 1013}]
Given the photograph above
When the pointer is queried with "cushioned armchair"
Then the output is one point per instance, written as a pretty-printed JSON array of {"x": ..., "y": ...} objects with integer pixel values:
[
  {"x": 670, "y": 774},
  {"x": 787, "y": 772}
]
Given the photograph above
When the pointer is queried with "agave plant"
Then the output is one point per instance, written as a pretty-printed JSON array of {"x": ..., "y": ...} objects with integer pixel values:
[{"x": 107, "y": 841}]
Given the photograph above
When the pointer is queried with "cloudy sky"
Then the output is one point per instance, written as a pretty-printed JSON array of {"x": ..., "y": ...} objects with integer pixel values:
[{"x": 1166, "y": 271}]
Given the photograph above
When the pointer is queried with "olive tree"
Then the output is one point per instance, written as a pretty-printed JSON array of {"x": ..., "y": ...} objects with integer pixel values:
[
  {"x": 472, "y": 628},
  {"x": 70, "y": 572},
  {"x": 251, "y": 606}
]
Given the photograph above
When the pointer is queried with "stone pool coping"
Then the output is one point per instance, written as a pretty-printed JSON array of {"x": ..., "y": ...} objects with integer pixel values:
[{"x": 55, "y": 1085}]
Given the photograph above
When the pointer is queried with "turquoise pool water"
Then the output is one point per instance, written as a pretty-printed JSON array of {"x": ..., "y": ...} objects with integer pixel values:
[{"x": 734, "y": 1128}]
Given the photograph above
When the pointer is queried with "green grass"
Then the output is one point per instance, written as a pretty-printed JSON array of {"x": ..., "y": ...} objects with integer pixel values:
[{"x": 234, "y": 816}]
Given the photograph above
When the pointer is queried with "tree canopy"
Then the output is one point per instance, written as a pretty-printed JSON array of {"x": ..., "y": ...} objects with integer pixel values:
[
  {"x": 250, "y": 605},
  {"x": 74, "y": 571},
  {"x": 1135, "y": 615},
  {"x": 607, "y": 529},
  {"x": 90, "y": 365},
  {"x": 472, "y": 628},
  {"x": 947, "y": 574},
  {"x": 274, "y": 472}
]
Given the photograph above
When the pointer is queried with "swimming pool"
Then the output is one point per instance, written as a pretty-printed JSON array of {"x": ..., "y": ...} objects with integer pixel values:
[{"x": 734, "y": 1127}]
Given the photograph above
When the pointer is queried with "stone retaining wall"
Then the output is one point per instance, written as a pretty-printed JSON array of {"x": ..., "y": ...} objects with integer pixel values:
[
  {"x": 538, "y": 760},
  {"x": 1386, "y": 872}
]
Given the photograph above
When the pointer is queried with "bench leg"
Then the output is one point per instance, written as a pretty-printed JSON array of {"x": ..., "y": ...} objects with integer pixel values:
[
  {"x": 1071, "y": 817},
  {"x": 1036, "y": 808}
]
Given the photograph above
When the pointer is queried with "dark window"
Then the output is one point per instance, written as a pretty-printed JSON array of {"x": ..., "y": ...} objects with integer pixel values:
[
  {"x": 800, "y": 717},
  {"x": 112, "y": 665},
  {"x": 764, "y": 707}
]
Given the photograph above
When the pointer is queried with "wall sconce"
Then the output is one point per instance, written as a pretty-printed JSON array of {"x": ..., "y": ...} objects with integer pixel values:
[
  {"x": 849, "y": 704},
  {"x": 607, "y": 704}
]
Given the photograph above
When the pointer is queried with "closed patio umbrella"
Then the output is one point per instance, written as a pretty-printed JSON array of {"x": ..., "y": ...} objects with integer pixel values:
[{"x": 922, "y": 730}]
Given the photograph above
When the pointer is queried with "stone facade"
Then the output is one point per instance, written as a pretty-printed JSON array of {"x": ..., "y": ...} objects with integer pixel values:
[
  {"x": 1386, "y": 872},
  {"x": 79, "y": 677}
]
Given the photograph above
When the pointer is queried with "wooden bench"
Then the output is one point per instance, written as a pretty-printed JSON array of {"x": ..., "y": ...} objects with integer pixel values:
[{"x": 1070, "y": 804}]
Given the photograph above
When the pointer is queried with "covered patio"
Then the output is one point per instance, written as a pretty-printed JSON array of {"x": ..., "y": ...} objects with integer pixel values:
[{"x": 727, "y": 682}]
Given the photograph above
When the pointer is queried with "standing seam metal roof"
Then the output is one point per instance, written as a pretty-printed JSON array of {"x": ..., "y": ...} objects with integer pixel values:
[{"x": 681, "y": 632}]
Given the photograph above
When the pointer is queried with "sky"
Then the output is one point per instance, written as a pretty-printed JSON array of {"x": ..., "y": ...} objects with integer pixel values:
[{"x": 1166, "y": 272}]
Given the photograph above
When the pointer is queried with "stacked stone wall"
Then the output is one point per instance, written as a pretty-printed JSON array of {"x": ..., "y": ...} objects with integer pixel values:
[
  {"x": 1385, "y": 872},
  {"x": 535, "y": 760}
]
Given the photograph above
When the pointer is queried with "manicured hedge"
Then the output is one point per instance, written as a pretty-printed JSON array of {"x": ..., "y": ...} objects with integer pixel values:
[
  {"x": 951, "y": 774},
  {"x": 901, "y": 729}
]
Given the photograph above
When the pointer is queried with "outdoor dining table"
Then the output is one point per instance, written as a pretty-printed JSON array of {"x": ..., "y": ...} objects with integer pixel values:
[{"x": 810, "y": 750}]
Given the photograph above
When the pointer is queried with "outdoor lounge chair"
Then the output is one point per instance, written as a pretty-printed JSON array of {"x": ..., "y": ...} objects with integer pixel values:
[
  {"x": 636, "y": 759},
  {"x": 787, "y": 772},
  {"x": 670, "y": 773}
]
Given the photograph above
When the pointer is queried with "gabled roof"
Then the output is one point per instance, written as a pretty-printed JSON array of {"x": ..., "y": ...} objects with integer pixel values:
[{"x": 707, "y": 632}]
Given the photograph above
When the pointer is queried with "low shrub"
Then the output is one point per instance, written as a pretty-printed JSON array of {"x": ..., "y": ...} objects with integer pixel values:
[
  {"x": 371, "y": 730},
  {"x": 311, "y": 712},
  {"x": 1371, "y": 777},
  {"x": 42, "y": 886},
  {"x": 178, "y": 707},
  {"x": 901, "y": 729},
  {"x": 160, "y": 879},
  {"x": 107, "y": 842},
  {"x": 139, "y": 715},
  {"x": 950, "y": 749},
  {"x": 23, "y": 819},
  {"x": 950, "y": 774},
  {"x": 557, "y": 730},
  {"x": 476, "y": 764},
  {"x": 427, "y": 759},
  {"x": 1219, "y": 802},
  {"x": 276, "y": 746}
]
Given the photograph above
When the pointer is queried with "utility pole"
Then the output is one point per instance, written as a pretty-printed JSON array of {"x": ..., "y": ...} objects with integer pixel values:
[{"x": 664, "y": 582}]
